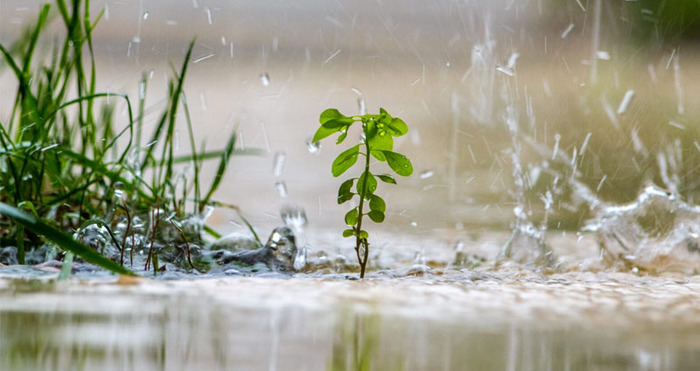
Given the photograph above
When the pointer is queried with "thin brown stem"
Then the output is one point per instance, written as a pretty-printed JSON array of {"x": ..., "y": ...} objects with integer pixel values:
[
  {"x": 187, "y": 244},
  {"x": 153, "y": 237},
  {"x": 126, "y": 232},
  {"x": 358, "y": 232}
]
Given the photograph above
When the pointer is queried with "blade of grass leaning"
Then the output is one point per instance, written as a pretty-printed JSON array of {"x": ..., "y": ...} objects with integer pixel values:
[
  {"x": 175, "y": 102},
  {"x": 211, "y": 155},
  {"x": 223, "y": 164},
  {"x": 61, "y": 239},
  {"x": 66, "y": 267},
  {"x": 193, "y": 156},
  {"x": 240, "y": 215}
]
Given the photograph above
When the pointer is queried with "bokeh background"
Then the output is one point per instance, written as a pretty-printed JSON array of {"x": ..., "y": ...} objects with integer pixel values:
[{"x": 455, "y": 71}]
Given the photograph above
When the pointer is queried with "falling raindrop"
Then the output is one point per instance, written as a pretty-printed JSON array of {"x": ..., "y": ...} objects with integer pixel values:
[
  {"x": 281, "y": 189},
  {"x": 625, "y": 102},
  {"x": 145, "y": 15},
  {"x": 278, "y": 164},
  {"x": 203, "y": 58},
  {"x": 136, "y": 40},
  {"x": 567, "y": 30},
  {"x": 427, "y": 174},
  {"x": 208, "y": 11},
  {"x": 603, "y": 55},
  {"x": 265, "y": 79},
  {"x": 505, "y": 70},
  {"x": 361, "y": 105},
  {"x": 414, "y": 223},
  {"x": 203, "y": 101}
]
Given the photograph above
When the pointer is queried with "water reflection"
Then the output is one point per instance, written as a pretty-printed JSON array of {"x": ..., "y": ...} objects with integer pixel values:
[{"x": 375, "y": 325}]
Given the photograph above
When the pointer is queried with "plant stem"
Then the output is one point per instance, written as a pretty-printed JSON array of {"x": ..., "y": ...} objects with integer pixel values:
[
  {"x": 20, "y": 244},
  {"x": 358, "y": 240}
]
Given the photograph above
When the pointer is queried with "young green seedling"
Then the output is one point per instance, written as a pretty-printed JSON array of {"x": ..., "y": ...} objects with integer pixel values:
[{"x": 378, "y": 142}]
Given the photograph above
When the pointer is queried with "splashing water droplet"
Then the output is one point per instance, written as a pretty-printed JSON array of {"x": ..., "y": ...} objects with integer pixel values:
[
  {"x": 427, "y": 174},
  {"x": 136, "y": 40},
  {"x": 361, "y": 105},
  {"x": 265, "y": 79},
  {"x": 278, "y": 164},
  {"x": 294, "y": 216},
  {"x": 145, "y": 15},
  {"x": 208, "y": 11},
  {"x": 281, "y": 189},
  {"x": 314, "y": 147},
  {"x": 414, "y": 223}
]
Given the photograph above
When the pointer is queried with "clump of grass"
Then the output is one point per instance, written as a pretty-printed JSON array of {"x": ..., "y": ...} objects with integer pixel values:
[{"x": 63, "y": 167}]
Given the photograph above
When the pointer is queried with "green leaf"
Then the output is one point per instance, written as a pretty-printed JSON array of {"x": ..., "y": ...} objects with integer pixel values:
[
  {"x": 342, "y": 137},
  {"x": 381, "y": 142},
  {"x": 345, "y": 191},
  {"x": 332, "y": 121},
  {"x": 364, "y": 234},
  {"x": 397, "y": 127},
  {"x": 345, "y": 160},
  {"x": 371, "y": 184},
  {"x": 351, "y": 217},
  {"x": 376, "y": 203},
  {"x": 61, "y": 239},
  {"x": 384, "y": 116},
  {"x": 376, "y": 216},
  {"x": 348, "y": 233},
  {"x": 399, "y": 163},
  {"x": 323, "y": 132},
  {"x": 369, "y": 128},
  {"x": 379, "y": 155},
  {"x": 330, "y": 114},
  {"x": 387, "y": 179},
  {"x": 337, "y": 123}
]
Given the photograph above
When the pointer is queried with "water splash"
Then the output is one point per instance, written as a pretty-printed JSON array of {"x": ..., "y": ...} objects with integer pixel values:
[
  {"x": 294, "y": 217},
  {"x": 656, "y": 232},
  {"x": 313, "y": 147},
  {"x": 526, "y": 244}
]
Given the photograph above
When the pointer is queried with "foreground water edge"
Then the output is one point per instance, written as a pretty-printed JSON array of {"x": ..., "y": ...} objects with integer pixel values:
[{"x": 509, "y": 318}]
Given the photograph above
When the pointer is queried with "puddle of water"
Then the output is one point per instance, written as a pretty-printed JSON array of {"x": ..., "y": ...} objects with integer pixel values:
[{"x": 502, "y": 320}]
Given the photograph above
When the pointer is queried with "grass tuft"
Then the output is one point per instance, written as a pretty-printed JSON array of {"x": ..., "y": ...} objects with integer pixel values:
[{"x": 60, "y": 153}]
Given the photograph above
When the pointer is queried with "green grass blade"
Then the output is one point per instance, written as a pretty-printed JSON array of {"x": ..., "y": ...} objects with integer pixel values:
[
  {"x": 43, "y": 14},
  {"x": 223, "y": 164},
  {"x": 61, "y": 239},
  {"x": 67, "y": 267},
  {"x": 193, "y": 156},
  {"x": 211, "y": 155}
]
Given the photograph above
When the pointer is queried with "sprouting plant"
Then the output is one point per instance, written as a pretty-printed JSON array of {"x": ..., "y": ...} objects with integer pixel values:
[{"x": 378, "y": 142}]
